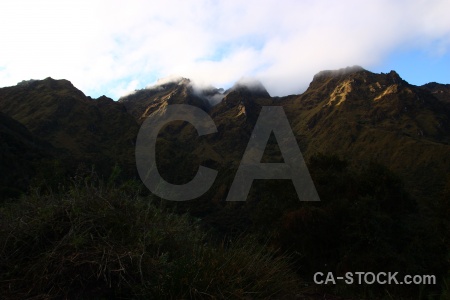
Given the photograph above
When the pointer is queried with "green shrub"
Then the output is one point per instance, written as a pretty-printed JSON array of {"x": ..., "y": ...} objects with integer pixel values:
[{"x": 95, "y": 241}]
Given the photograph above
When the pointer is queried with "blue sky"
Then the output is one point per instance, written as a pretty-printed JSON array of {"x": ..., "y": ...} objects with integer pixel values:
[
  {"x": 114, "y": 47},
  {"x": 417, "y": 66}
]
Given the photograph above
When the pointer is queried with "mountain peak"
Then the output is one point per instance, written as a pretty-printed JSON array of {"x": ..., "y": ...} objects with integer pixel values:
[
  {"x": 62, "y": 86},
  {"x": 338, "y": 72},
  {"x": 250, "y": 87},
  {"x": 440, "y": 91},
  {"x": 170, "y": 81},
  {"x": 169, "y": 90}
]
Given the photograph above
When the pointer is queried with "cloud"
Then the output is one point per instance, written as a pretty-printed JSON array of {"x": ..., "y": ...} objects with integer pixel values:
[{"x": 107, "y": 47}]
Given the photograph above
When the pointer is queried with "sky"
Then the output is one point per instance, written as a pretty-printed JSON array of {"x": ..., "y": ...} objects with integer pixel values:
[{"x": 114, "y": 47}]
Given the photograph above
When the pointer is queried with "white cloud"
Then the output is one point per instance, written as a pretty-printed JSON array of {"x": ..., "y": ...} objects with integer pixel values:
[{"x": 107, "y": 47}]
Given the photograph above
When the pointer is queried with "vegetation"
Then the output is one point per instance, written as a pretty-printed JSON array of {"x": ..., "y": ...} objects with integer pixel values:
[
  {"x": 366, "y": 221},
  {"x": 92, "y": 239}
]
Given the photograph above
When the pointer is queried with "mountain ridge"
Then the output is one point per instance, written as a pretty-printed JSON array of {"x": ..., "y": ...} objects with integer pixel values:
[{"x": 351, "y": 112}]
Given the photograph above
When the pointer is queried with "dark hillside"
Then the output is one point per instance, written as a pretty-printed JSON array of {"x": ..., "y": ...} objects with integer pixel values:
[{"x": 92, "y": 131}]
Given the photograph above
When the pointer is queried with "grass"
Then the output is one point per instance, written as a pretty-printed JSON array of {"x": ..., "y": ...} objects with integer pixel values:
[{"x": 93, "y": 240}]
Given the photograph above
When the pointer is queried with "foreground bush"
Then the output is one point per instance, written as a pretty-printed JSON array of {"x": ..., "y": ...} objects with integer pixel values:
[{"x": 94, "y": 241}]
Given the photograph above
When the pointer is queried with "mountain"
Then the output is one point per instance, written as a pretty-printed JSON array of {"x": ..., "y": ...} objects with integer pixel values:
[
  {"x": 364, "y": 116},
  {"x": 356, "y": 114},
  {"x": 234, "y": 115},
  {"x": 21, "y": 153},
  {"x": 377, "y": 149},
  {"x": 91, "y": 131},
  {"x": 440, "y": 91},
  {"x": 142, "y": 103},
  {"x": 234, "y": 111}
]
